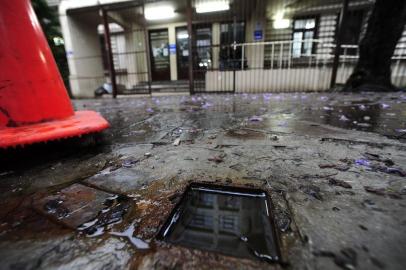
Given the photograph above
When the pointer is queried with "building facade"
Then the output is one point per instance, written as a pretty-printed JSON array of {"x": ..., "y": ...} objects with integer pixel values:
[{"x": 235, "y": 45}]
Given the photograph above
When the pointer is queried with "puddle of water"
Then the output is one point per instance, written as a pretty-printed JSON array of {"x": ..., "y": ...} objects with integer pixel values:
[
  {"x": 229, "y": 220},
  {"x": 362, "y": 115},
  {"x": 245, "y": 134},
  {"x": 129, "y": 234},
  {"x": 56, "y": 208},
  {"x": 116, "y": 207}
]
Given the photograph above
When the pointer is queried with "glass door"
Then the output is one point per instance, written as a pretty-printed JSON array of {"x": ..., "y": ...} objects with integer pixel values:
[
  {"x": 182, "y": 53},
  {"x": 160, "y": 65}
]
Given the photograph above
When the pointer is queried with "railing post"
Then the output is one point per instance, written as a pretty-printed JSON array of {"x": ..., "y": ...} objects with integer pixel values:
[
  {"x": 189, "y": 13},
  {"x": 233, "y": 80},
  {"x": 343, "y": 16},
  {"x": 107, "y": 41},
  {"x": 147, "y": 52},
  {"x": 242, "y": 56}
]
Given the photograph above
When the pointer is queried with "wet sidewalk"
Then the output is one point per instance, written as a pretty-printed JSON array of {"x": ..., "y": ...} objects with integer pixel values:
[{"x": 334, "y": 166}]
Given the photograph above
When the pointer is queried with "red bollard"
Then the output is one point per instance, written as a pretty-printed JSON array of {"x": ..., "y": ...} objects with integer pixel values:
[{"x": 34, "y": 104}]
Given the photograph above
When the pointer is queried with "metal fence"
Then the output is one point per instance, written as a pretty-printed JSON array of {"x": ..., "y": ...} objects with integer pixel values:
[
  {"x": 219, "y": 52},
  {"x": 276, "y": 67},
  {"x": 271, "y": 67}
]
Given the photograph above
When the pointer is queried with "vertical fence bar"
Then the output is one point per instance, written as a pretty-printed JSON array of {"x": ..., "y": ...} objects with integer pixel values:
[
  {"x": 107, "y": 41},
  {"x": 317, "y": 69},
  {"x": 396, "y": 69},
  {"x": 242, "y": 56},
  {"x": 147, "y": 52},
  {"x": 189, "y": 14}
]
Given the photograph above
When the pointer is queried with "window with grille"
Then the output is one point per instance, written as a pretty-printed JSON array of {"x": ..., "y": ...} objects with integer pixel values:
[{"x": 304, "y": 30}]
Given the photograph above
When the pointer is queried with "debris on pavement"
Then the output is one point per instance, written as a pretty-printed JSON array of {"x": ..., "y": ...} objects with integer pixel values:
[
  {"x": 217, "y": 159},
  {"x": 340, "y": 183},
  {"x": 129, "y": 163},
  {"x": 176, "y": 142},
  {"x": 346, "y": 259},
  {"x": 339, "y": 167},
  {"x": 383, "y": 192},
  {"x": 312, "y": 190},
  {"x": 376, "y": 164}
]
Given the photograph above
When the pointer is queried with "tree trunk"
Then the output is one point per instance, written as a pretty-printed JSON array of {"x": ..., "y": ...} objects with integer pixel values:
[{"x": 385, "y": 26}]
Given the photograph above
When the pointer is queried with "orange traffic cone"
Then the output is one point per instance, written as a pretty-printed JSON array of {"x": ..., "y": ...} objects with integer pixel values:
[{"x": 34, "y": 105}]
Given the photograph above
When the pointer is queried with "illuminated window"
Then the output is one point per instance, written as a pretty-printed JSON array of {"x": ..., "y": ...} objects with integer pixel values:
[{"x": 303, "y": 33}]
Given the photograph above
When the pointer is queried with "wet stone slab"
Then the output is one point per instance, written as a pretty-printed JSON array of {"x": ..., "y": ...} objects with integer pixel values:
[
  {"x": 121, "y": 180},
  {"x": 74, "y": 205}
]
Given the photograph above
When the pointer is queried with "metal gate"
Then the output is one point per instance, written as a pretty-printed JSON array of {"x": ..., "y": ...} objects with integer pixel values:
[
  {"x": 249, "y": 46},
  {"x": 216, "y": 53},
  {"x": 126, "y": 49}
]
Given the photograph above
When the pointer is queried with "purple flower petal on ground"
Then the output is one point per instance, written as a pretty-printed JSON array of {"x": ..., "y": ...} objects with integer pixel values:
[
  {"x": 323, "y": 98},
  {"x": 343, "y": 118},
  {"x": 362, "y": 162},
  {"x": 206, "y": 105},
  {"x": 396, "y": 171},
  {"x": 150, "y": 110},
  {"x": 256, "y": 118},
  {"x": 385, "y": 106}
]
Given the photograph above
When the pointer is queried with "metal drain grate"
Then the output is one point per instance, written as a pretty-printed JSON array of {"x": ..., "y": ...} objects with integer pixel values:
[{"x": 229, "y": 220}]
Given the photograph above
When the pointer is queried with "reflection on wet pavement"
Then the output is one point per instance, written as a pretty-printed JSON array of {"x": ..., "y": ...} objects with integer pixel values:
[{"x": 383, "y": 114}]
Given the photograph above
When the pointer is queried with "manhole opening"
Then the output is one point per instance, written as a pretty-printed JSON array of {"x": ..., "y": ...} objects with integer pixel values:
[{"x": 230, "y": 220}]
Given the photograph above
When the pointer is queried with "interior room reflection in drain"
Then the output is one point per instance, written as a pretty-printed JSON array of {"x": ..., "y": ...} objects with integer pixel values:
[{"x": 229, "y": 220}]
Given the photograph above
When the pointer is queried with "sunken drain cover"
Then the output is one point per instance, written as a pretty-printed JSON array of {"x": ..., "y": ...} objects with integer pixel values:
[{"x": 229, "y": 220}]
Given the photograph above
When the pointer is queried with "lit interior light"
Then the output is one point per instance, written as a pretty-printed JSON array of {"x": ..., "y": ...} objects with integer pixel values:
[
  {"x": 280, "y": 22},
  {"x": 310, "y": 24},
  {"x": 159, "y": 13},
  {"x": 183, "y": 35},
  {"x": 212, "y": 6},
  {"x": 58, "y": 41}
]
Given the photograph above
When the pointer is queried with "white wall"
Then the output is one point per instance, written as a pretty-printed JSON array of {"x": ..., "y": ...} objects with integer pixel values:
[
  {"x": 269, "y": 80},
  {"x": 83, "y": 53}
]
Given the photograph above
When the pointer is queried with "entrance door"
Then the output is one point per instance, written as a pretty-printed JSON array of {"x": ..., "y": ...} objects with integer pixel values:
[
  {"x": 160, "y": 65},
  {"x": 182, "y": 53}
]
